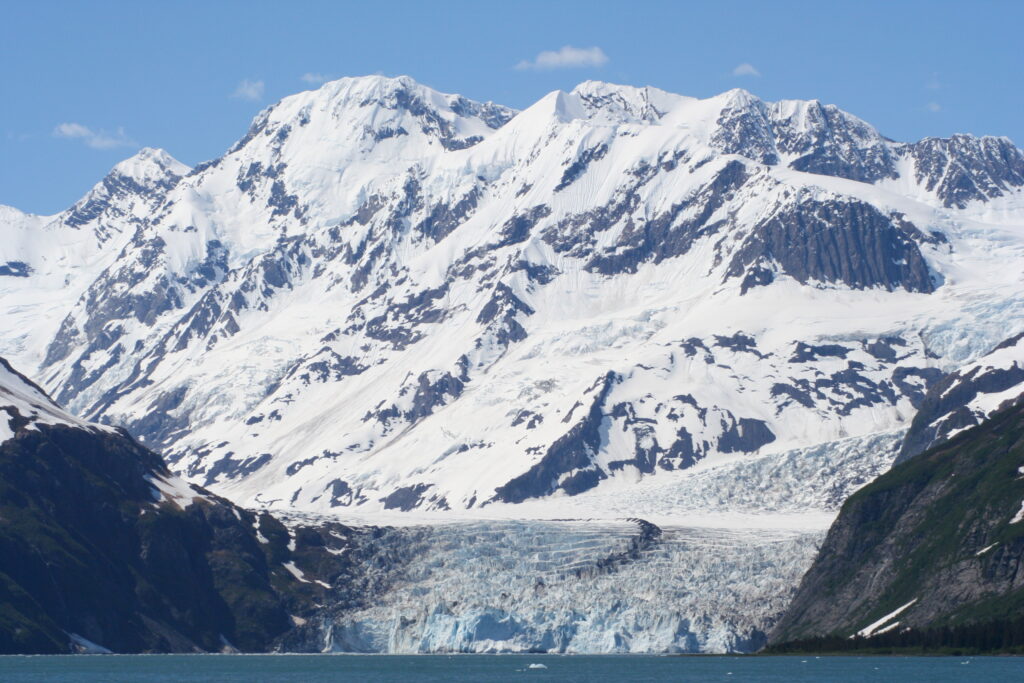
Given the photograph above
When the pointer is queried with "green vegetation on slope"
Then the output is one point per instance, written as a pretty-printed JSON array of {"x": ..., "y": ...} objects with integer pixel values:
[{"x": 937, "y": 530}]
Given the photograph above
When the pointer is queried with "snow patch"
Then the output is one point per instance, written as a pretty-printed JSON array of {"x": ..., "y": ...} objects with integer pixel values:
[
  {"x": 173, "y": 489},
  {"x": 873, "y": 628},
  {"x": 1019, "y": 516},
  {"x": 84, "y": 646}
]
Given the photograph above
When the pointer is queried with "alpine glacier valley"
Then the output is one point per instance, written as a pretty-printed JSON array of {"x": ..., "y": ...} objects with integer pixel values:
[{"x": 595, "y": 376}]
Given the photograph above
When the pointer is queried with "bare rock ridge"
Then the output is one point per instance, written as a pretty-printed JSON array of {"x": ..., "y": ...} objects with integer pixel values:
[{"x": 968, "y": 396}]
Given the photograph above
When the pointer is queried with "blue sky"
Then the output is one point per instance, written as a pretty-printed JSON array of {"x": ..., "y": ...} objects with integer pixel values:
[{"x": 83, "y": 85}]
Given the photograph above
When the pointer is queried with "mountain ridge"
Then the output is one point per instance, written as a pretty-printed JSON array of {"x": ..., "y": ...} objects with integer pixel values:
[{"x": 409, "y": 214}]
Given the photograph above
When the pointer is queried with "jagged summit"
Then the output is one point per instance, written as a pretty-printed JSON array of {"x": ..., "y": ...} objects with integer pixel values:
[
  {"x": 148, "y": 172},
  {"x": 626, "y": 102}
]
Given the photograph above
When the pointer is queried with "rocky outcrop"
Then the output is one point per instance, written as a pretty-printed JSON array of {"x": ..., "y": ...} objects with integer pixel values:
[
  {"x": 846, "y": 242},
  {"x": 963, "y": 168}
]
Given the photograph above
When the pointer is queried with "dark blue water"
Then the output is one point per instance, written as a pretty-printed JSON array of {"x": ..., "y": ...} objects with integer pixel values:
[{"x": 315, "y": 668}]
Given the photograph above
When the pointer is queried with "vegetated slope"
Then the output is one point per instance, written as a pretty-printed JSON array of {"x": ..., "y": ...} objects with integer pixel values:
[
  {"x": 937, "y": 542},
  {"x": 388, "y": 298},
  {"x": 102, "y": 548}
]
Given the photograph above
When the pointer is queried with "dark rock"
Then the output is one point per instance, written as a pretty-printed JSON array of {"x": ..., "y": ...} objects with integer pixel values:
[
  {"x": 405, "y": 498},
  {"x": 806, "y": 353},
  {"x": 839, "y": 242},
  {"x": 964, "y": 168},
  {"x": 15, "y": 269},
  {"x": 580, "y": 165},
  {"x": 944, "y": 409},
  {"x": 85, "y": 549}
]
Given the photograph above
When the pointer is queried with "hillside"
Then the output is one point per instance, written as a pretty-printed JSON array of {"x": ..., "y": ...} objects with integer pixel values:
[
  {"x": 103, "y": 549},
  {"x": 937, "y": 542}
]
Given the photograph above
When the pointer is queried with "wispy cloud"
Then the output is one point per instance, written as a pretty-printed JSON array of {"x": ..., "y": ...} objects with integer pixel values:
[
  {"x": 567, "y": 58},
  {"x": 97, "y": 139},
  {"x": 745, "y": 69},
  {"x": 249, "y": 90},
  {"x": 933, "y": 83},
  {"x": 933, "y": 107},
  {"x": 314, "y": 79}
]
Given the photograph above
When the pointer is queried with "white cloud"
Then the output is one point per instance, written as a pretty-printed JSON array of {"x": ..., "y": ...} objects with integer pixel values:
[
  {"x": 249, "y": 90},
  {"x": 933, "y": 107},
  {"x": 567, "y": 57},
  {"x": 933, "y": 83},
  {"x": 314, "y": 79},
  {"x": 97, "y": 139},
  {"x": 745, "y": 69}
]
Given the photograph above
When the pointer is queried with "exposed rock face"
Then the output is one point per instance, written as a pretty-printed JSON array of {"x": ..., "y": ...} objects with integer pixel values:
[
  {"x": 967, "y": 397},
  {"x": 48, "y": 261},
  {"x": 847, "y": 242},
  {"x": 937, "y": 541},
  {"x": 964, "y": 168}
]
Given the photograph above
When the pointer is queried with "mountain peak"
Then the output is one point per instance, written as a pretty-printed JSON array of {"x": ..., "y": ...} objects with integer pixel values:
[
  {"x": 357, "y": 113},
  {"x": 149, "y": 165},
  {"x": 738, "y": 97},
  {"x": 627, "y": 102}
]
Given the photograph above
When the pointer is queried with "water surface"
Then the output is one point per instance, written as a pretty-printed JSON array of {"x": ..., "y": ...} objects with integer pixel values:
[{"x": 371, "y": 668}]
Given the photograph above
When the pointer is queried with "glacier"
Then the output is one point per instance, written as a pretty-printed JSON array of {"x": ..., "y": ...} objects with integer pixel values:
[
  {"x": 460, "y": 322},
  {"x": 570, "y": 587}
]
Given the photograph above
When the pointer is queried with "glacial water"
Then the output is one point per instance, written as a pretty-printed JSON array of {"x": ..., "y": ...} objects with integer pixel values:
[{"x": 456, "y": 668}]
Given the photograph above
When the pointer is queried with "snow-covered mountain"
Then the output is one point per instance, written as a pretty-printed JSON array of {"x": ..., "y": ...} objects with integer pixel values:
[
  {"x": 388, "y": 298},
  {"x": 47, "y": 262},
  {"x": 967, "y": 397}
]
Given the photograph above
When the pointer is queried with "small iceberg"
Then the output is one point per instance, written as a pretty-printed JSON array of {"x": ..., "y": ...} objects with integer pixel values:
[{"x": 537, "y": 666}]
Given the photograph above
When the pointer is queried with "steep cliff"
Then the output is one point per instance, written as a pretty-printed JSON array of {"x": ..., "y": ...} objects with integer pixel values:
[{"x": 936, "y": 542}]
